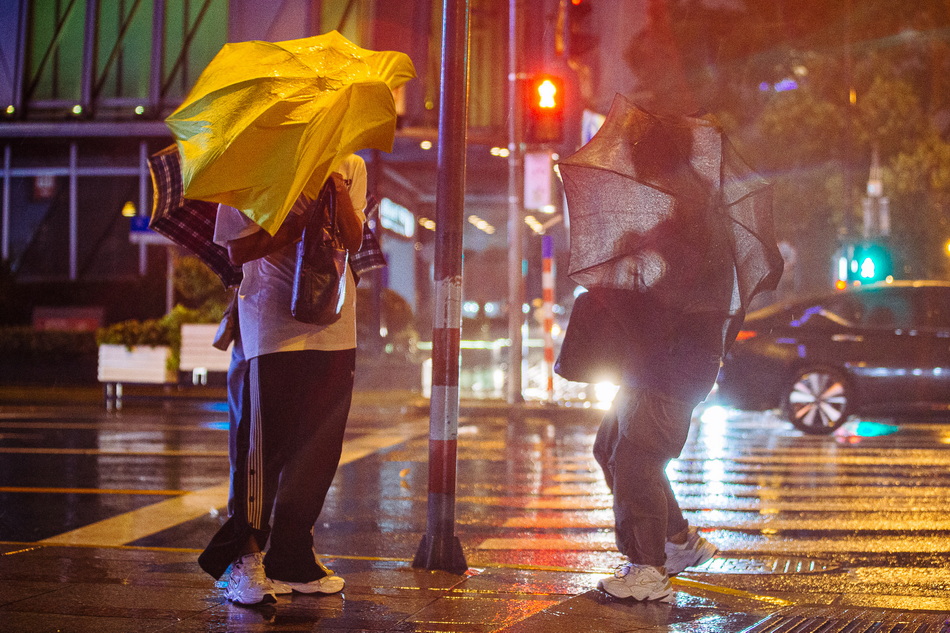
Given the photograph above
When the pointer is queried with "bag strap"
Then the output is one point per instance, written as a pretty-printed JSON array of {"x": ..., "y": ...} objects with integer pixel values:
[{"x": 324, "y": 206}]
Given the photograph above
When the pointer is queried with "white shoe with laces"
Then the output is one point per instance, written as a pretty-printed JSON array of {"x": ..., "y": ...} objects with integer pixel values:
[
  {"x": 695, "y": 551},
  {"x": 640, "y": 582},
  {"x": 331, "y": 583},
  {"x": 247, "y": 581}
]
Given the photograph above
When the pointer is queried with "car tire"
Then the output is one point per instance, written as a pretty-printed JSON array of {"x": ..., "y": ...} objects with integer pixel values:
[{"x": 818, "y": 400}]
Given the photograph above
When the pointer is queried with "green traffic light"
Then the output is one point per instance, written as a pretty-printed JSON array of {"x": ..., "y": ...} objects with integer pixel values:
[{"x": 869, "y": 262}]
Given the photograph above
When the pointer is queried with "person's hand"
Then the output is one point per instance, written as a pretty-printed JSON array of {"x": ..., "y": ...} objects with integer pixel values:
[{"x": 339, "y": 182}]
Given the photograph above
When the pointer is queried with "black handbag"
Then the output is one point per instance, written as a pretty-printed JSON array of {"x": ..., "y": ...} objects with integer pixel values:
[
  {"x": 320, "y": 277},
  {"x": 594, "y": 345}
]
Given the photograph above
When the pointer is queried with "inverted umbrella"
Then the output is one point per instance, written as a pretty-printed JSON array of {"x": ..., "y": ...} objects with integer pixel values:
[
  {"x": 188, "y": 223},
  {"x": 664, "y": 205},
  {"x": 267, "y": 121}
]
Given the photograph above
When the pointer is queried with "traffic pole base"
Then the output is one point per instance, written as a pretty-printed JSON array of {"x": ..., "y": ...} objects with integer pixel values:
[{"x": 437, "y": 554}]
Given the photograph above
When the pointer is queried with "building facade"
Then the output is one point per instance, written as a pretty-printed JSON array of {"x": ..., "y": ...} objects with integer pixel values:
[{"x": 85, "y": 86}]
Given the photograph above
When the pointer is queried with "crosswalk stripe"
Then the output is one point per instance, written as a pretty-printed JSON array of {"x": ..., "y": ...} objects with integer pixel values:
[
  {"x": 905, "y": 522},
  {"x": 112, "y": 451},
  {"x": 143, "y": 522}
]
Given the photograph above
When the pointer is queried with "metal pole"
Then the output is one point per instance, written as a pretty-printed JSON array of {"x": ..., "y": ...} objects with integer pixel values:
[
  {"x": 547, "y": 292},
  {"x": 144, "y": 208},
  {"x": 73, "y": 210},
  {"x": 849, "y": 125},
  {"x": 5, "y": 244},
  {"x": 440, "y": 548},
  {"x": 156, "y": 63},
  {"x": 19, "y": 70},
  {"x": 171, "y": 253},
  {"x": 515, "y": 222},
  {"x": 89, "y": 51}
]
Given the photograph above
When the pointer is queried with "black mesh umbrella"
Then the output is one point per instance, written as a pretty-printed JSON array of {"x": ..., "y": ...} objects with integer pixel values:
[
  {"x": 188, "y": 223},
  {"x": 664, "y": 205}
]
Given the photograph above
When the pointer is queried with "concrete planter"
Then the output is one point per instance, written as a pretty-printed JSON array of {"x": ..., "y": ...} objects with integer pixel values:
[
  {"x": 198, "y": 355},
  {"x": 136, "y": 364}
]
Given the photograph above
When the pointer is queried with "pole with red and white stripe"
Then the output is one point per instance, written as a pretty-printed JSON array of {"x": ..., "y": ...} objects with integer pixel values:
[
  {"x": 440, "y": 548},
  {"x": 547, "y": 299}
]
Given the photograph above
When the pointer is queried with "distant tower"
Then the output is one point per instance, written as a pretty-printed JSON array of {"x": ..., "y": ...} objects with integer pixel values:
[{"x": 877, "y": 215}]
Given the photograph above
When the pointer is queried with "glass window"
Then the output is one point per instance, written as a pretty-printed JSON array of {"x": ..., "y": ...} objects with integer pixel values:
[
  {"x": 55, "y": 53},
  {"x": 124, "y": 44},
  {"x": 194, "y": 33},
  {"x": 888, "y": 308}
]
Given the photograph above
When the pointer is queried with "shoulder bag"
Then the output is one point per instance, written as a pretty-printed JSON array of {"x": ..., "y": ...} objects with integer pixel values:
[
  {"x": 320, "y": 277},
  {"x": 593, "y": 347}
]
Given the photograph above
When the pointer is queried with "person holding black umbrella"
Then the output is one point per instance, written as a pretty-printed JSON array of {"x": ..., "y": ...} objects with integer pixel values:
[{"x": 672, "y": 236}]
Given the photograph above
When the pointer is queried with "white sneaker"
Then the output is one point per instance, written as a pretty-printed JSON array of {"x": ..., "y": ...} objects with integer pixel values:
[
  {"x": 695, "y": 551},
  {"x": 640, "y": 582},
  {"x": 247, "y": 581},
  {"x": 326, "y": 585},
  {"x": 331, "y": 583}
]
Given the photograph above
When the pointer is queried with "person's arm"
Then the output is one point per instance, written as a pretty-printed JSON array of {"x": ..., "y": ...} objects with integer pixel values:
[
  {"x": 348, "y": 221},
  {"x": 262, "y": 243}
]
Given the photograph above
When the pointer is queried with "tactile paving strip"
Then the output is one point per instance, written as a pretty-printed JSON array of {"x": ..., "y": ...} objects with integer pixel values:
[
  {"x": 821, "y": 619},
  {"x": 768, "y": 565}
]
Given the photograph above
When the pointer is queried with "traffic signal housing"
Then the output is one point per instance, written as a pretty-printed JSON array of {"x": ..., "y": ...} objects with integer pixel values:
[
  {"x": 868, "y": 262},
  {"x": 581, "y": 34},
  {"x": 544, "y": 110}
]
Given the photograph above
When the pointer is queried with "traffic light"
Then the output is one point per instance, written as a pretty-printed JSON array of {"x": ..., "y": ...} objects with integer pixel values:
[
  {"x": 544, "y": 110},
  {"x": 581, "y": 34},
  {"x": 868, "y": 262}
]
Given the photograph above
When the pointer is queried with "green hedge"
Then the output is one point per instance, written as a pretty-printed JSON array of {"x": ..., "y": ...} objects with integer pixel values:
[
  {"x": 163, "y": 331},
  {"x": 24, "y": 341}
]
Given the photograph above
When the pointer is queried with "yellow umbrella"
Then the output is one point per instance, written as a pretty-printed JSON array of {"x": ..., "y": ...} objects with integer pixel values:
[{"x": 267, "y": 121}]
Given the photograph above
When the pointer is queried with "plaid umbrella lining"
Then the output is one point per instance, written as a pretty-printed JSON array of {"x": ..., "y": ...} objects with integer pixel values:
[{"x": 190, "y": 223}]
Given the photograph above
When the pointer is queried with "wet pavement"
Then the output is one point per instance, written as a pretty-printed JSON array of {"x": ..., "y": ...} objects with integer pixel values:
[{"x": 102, "y": 514}]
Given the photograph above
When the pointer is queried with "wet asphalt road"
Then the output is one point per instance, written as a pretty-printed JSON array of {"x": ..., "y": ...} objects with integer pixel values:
[{"x": 857, "y": 519}]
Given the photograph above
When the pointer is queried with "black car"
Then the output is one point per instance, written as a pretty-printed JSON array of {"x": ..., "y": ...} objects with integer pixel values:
[{"x": 868, "y": 349}]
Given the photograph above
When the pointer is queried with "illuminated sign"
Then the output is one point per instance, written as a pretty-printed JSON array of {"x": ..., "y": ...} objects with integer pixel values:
[{"x": 397, "y": 218}]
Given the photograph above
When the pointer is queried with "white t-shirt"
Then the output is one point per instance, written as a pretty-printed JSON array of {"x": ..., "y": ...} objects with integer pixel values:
[{"x": 264, "y": 317}]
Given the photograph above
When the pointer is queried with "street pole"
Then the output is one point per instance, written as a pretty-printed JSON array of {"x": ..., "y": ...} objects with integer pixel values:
[
  {"x": 516, "y": 290},
  {"x": 547, "y": 296},
  {"x": 440, "y": 548}
]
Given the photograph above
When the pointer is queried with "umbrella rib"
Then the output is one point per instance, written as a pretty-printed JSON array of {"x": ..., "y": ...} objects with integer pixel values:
[{"x": 622, "y": 175}]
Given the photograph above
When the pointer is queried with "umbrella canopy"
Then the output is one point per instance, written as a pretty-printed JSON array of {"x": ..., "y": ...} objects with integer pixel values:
[
  {"x": 664, "y": 205},
  {"x": 267, "y": 121},
  {"x": 188, "y": 223}
]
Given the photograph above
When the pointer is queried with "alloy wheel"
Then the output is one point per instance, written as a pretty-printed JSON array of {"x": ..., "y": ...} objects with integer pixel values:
[{"x": 818, "y": 401}]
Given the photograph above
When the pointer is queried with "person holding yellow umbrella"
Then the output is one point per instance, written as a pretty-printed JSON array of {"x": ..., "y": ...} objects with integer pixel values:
[{"x": 264, "y": 128}]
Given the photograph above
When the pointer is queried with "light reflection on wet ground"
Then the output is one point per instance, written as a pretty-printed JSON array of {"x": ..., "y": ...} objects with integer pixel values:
[{"x": 872, "y": 500}]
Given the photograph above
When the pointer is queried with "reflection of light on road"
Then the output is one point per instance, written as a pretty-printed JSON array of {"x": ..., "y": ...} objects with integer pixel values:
[
  {"x": 855, "y": 432},
  {"x": 713, "y": 429},
  {"x": 714, "y": 476}
]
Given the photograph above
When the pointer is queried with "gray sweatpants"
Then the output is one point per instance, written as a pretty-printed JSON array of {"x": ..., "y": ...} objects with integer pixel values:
[{"x": 638, "y": 437}]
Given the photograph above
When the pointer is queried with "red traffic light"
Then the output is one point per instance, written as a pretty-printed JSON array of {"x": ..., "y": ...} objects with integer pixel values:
[
  {"x": 548, "y": 93},
  {"x": 544, "y": 96}
]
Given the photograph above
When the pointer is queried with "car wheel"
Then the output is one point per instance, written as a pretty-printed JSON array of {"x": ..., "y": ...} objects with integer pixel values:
[{"x": 819, "y": 400}]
